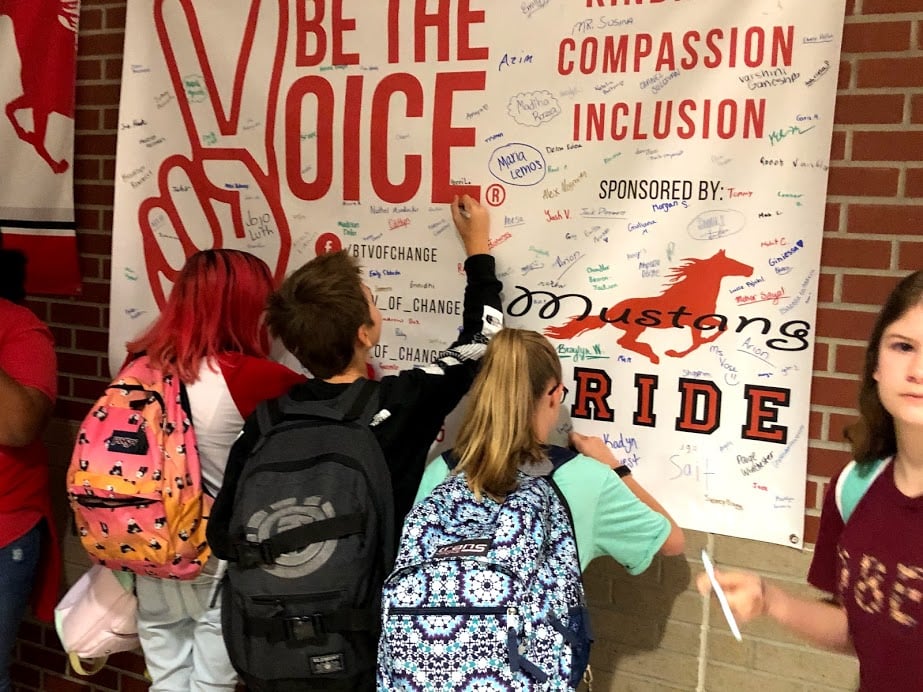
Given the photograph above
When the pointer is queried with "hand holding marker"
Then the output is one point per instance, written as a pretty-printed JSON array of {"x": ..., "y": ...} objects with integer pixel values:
[{"x": 719, "y": 592}]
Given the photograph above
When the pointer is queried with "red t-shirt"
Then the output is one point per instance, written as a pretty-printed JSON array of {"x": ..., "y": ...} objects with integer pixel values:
[
  {"x": 27, "y": 355},
  {"x": 874, "y": 565}
]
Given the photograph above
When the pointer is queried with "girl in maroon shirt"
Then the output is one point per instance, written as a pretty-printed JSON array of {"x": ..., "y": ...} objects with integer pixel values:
[{"x": 872, "y": 564}]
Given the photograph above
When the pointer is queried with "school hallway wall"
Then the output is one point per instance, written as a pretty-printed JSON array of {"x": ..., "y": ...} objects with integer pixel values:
[{"x": 653, "y": 632}]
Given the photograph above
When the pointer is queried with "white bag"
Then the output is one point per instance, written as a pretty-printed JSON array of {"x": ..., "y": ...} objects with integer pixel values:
[{"x": 98, "y": 616}]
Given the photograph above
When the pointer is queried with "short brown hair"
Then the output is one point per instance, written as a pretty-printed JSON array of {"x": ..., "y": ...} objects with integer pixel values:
[{"x": 317, "y": 313}]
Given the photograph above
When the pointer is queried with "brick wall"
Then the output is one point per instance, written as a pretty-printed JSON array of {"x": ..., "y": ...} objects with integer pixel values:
[{"x": 654, "y": 632}]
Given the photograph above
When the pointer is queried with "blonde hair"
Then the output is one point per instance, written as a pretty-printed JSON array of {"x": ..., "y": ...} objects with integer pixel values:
[{"x": 497, "y": 433}]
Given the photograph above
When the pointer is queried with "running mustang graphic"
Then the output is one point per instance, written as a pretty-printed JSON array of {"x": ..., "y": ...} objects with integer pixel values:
[
  {"x": 54, "y": 55},
  {"x": 692, "y": 292}
]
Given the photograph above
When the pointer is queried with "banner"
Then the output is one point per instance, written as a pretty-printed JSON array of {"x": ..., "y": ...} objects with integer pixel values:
[
  {"x": 656, "y": 174},
  {"x": 38, "y": 53}
]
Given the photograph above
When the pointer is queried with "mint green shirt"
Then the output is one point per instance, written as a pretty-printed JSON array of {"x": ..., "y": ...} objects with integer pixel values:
[{"x": 609, "y": 519}]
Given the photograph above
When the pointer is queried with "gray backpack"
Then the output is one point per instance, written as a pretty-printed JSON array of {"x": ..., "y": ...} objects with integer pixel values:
[{"x": 312, "y": 530}]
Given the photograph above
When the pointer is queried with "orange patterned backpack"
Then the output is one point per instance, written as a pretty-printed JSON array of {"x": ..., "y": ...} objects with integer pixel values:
[{"x": 134, "y": 481}]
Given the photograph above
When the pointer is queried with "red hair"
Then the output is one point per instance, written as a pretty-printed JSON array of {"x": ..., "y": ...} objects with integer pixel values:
[{"x": 216, "y": 306}]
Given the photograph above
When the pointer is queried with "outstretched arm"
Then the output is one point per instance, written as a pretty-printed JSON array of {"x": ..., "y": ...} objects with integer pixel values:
[
  {"x": 482, "y": 313},
  {"x": 595, "y": 448},
  {"x": 750, "y": 596},
  {"x": 26, "y": 410}
]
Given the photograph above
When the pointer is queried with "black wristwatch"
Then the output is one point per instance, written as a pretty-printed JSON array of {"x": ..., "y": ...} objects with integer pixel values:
[{"x": 622, "y": 470}]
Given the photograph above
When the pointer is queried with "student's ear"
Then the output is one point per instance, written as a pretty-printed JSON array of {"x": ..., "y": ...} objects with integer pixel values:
[{"x": 364, "y": 337}]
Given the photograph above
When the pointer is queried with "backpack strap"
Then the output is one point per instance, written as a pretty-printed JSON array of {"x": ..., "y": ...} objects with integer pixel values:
[
  {"x": 854, "y": 480},
  {"x": 350, "y": 405},
  {"x": 556, "y": 455},
  {"x": 253, "y": 554},
  {"x": 314, "y": 628}
]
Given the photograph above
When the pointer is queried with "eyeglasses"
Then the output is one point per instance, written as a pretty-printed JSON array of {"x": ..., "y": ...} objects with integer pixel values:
[{"x": 564, "y": 390}]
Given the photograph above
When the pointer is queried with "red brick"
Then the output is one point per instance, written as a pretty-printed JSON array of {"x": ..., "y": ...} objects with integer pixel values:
[
  {"x": 825, "y": 285},
  {"x": 115, "y": 18},
  {"x": 869, "y": 108},
  {"x": 88, "y": 388},
  {"x": 916, "y": 109},
  {"x": 90, "y": 268},
  {"x": 891, "y": 6},
  {"x": 811, "y": 527},
  {"x": 867, "y": 290},
  {"x": 106, "y": 679},
  {"x": 78, "y": 364},
  {"x": 910, "y": 255},
  {"x": 844, "y": 324},
  {"x": 815, "y": 425},
  {"x": 890, "y": 219},
  {"x": 876, "y": 37},
  {"x": 69, "y": 409},
  {"x": 25, "y": 676},
  {"x": 839, "y": 423},
  {"x": 91, "y": 19},
  {"x": 89, "y": 340},
  {"x": 94, "y": 292},
  {"x": 838, "y": 146},
  {"x": 42, "y": 657},
  {"x": 98, "y": 144},
  {"x": 86, "y": 169},
  {"x": 98, "y": 94},
  {"x": 88, "y": 69},
  {"x": 111, "y": 119},
  {"x": 887, "y": 146},
  {"x": 63, "y": 336},
  {"x": 85, "y": 218},
  {"x": 826, "y": 462},
  {"x": 849, "y": 359},
  {"x": 831, "y": 217},
  {"x": 810, "y": 495},
  {"x": 128, "y": 661},
  {"x": 113, "y": 68},
  {"x": 862, "y": 182},
  {"x": 56, "y": 683},
  {"x": 913, "y": 184},
  {"x": 844, "y": 76},
  {"x": 821, "y": 351},
  {"x": 78, "y": 315},
  {"x": 95, "y": 243},
  {"x": 30, "y": 632},
  {"x": 132, "y": 684},
  {"x": 850, "y": 252},
  {"x": 100, "y": 44},
  {"x": 86, "y": 119}
]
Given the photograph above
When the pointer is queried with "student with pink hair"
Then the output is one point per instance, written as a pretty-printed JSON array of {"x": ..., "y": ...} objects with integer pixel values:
[{"x": 211, "y": 334}]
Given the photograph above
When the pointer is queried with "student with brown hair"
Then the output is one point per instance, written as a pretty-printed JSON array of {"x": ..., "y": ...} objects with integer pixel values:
[
  {"x": 320, "y": 629},
  {"x": 871, "y": 561}
]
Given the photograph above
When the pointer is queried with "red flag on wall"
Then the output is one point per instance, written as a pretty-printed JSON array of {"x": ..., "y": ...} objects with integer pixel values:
[{"x": 38, "y": 51}]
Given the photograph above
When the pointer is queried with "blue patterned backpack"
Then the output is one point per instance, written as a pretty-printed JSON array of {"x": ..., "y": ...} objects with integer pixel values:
[{"x": 485, "y": 595}]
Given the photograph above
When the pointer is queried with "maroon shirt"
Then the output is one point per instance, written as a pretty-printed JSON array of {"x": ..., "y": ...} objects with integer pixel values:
[{"x": 874, "y": 565}]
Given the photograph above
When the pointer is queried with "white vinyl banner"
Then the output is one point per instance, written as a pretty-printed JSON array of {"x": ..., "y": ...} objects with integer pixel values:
[{"x": 655, "y": 171}]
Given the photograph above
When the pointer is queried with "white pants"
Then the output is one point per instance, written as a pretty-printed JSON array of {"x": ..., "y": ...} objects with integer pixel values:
[{"x": 181, "y": 635}]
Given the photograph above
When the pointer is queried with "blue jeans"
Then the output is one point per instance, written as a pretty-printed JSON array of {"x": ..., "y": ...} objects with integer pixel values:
[{"x": 18, "y": 563}]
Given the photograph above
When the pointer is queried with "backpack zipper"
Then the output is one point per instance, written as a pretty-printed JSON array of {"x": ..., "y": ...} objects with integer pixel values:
[
  {"x": 454, "y": 610},
  {"x": 94, "y": 502}
]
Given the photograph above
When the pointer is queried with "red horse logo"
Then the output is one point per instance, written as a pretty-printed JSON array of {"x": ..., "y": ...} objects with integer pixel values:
[
  {"x": 692, "y": 291},
  {"x": 46, "y": 39}
]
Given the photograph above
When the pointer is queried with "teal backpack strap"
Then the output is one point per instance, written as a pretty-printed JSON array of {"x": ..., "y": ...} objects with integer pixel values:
[{"x": 854, "y": 480}]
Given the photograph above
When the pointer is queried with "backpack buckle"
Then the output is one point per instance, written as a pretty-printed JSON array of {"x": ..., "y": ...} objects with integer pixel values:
[
  {"x": 251, "y": 555},
  {"x": 305, "y": 627}
]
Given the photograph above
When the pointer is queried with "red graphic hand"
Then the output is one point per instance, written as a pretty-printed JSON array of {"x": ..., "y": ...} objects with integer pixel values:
[{"x": 226, "y": 192}]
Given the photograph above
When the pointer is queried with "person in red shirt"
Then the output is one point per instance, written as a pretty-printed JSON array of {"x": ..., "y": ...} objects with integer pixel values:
[
  {"x": 871, "y": 564},
  {"x": 30, "y": 559}
]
